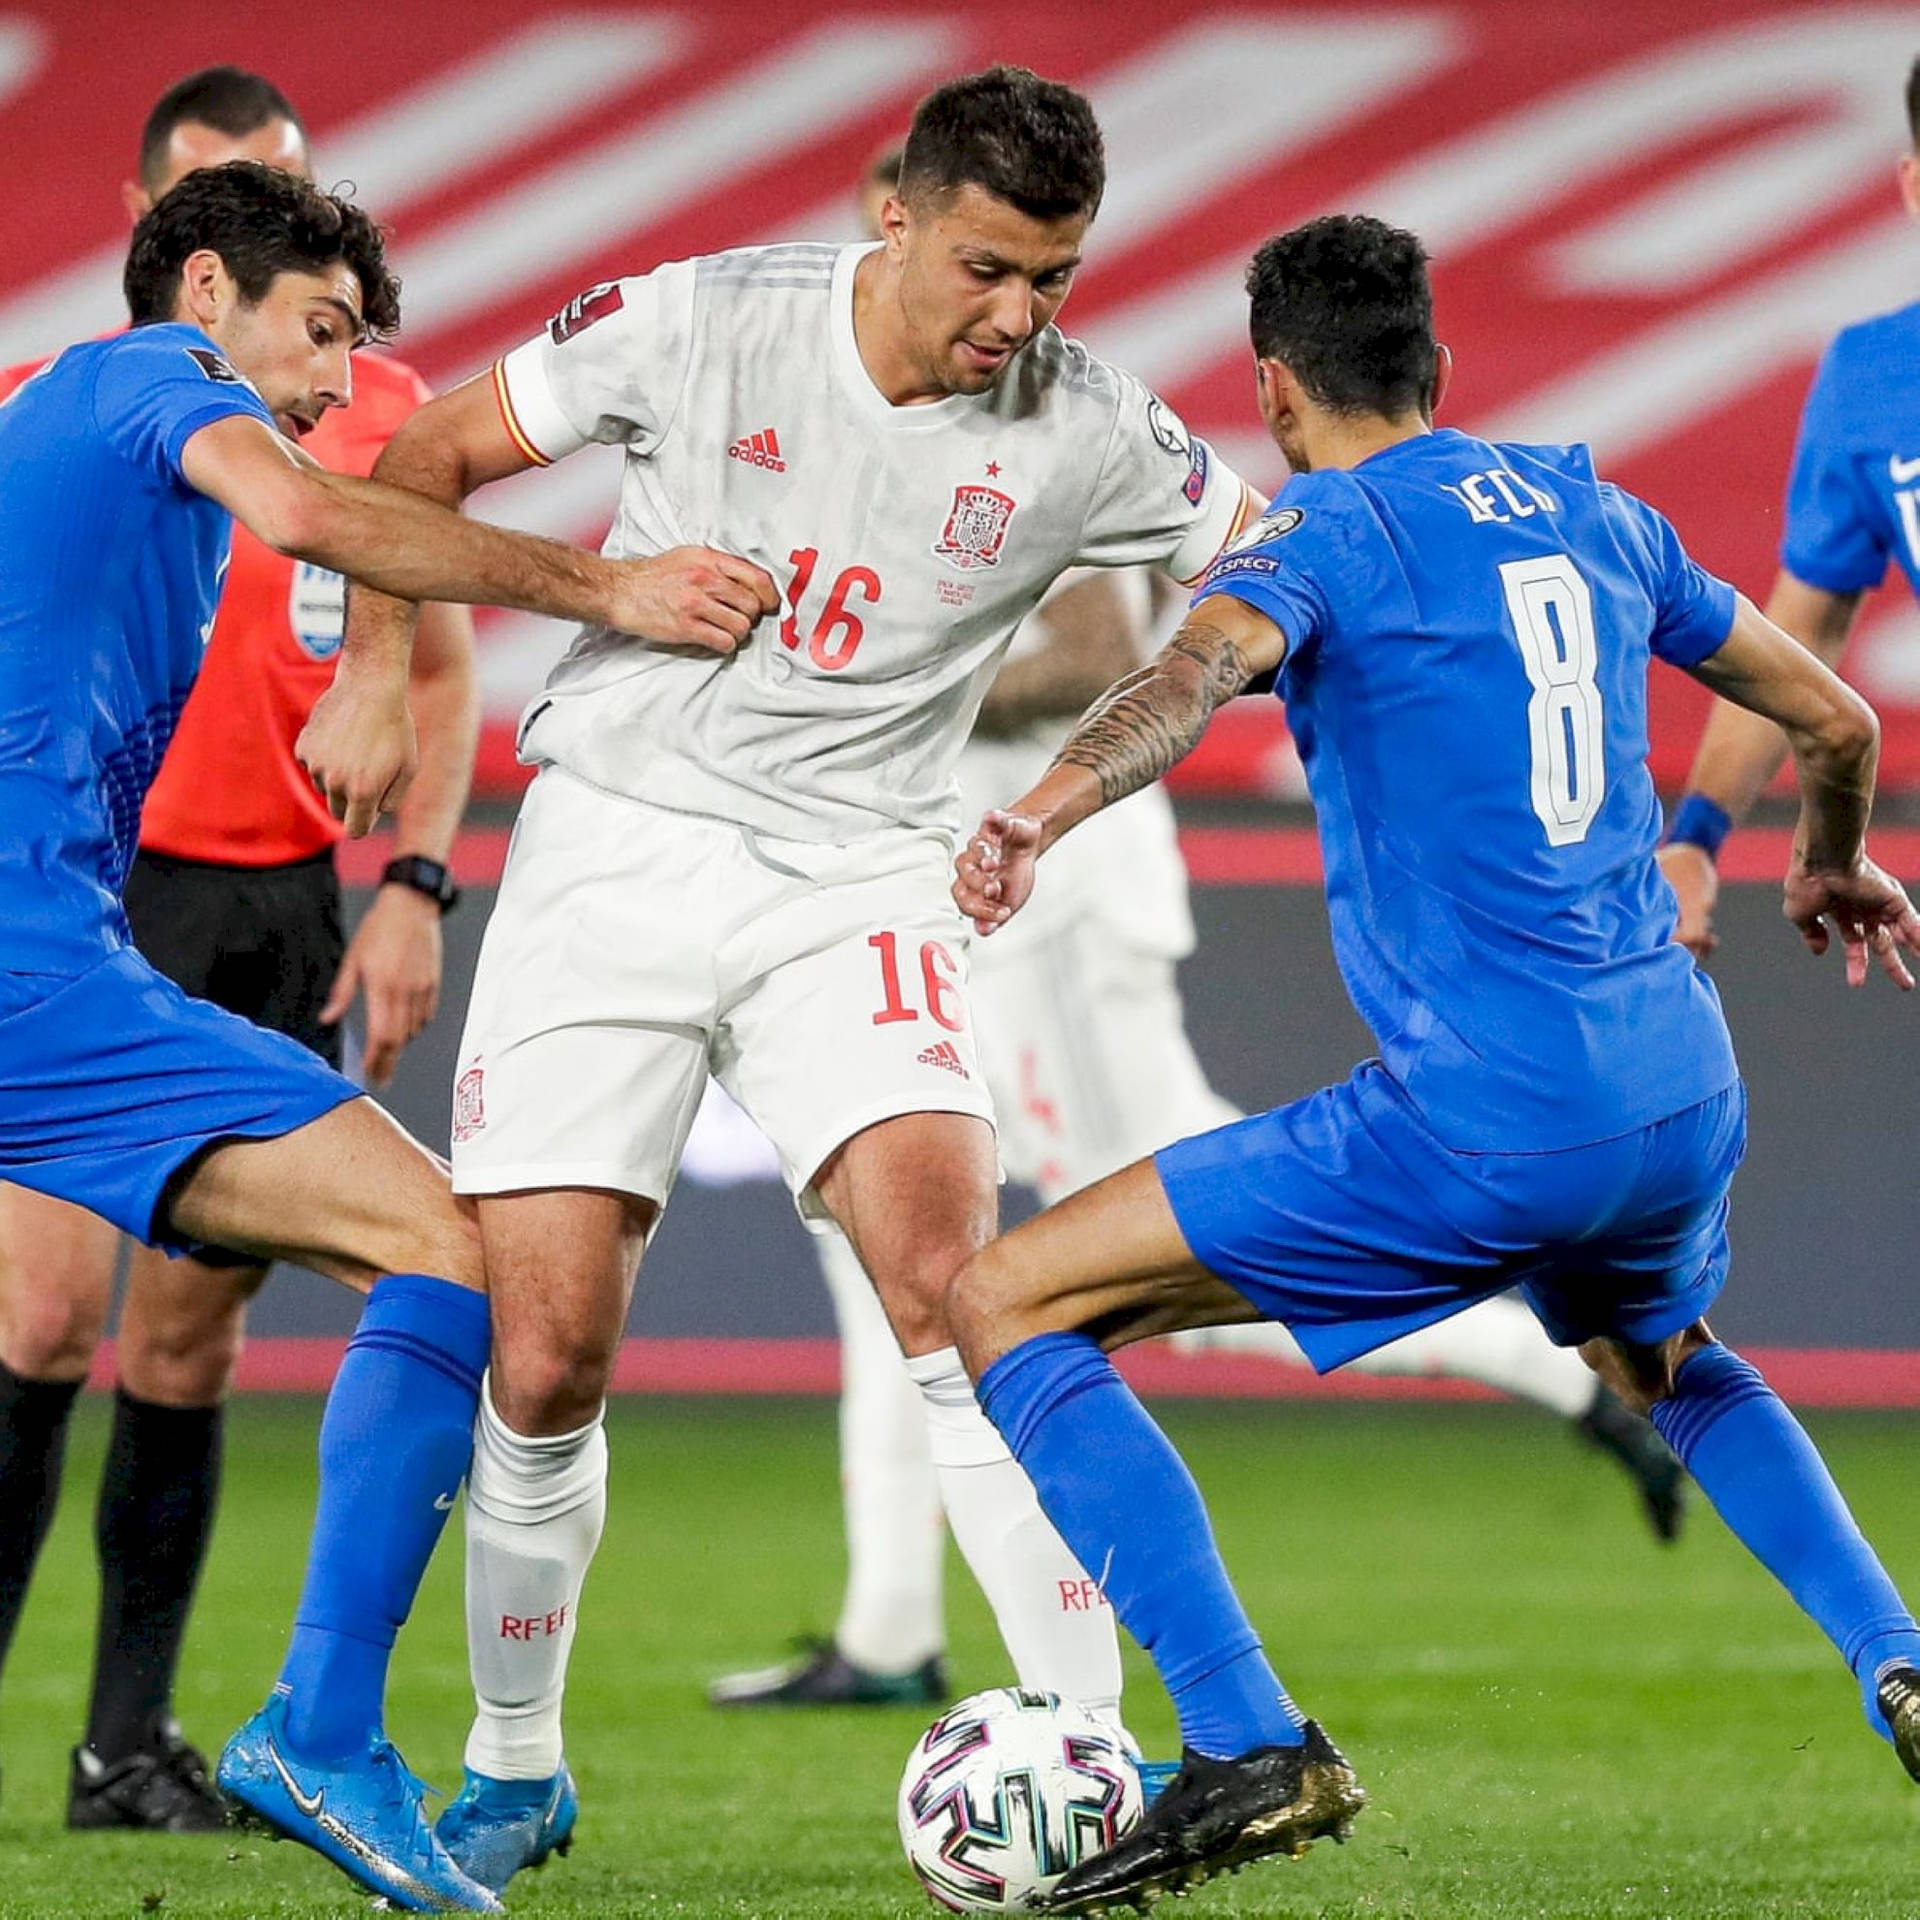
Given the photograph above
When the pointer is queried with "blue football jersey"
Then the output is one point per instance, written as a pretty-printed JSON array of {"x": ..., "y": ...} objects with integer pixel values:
[
  {"x": 110, "y": 567},
  {"x": 1853, "y": 499},
  {"x": 1469, "y": 628}
]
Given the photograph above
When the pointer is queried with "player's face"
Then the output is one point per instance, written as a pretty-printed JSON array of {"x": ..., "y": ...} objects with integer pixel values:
[
  {"x": 295, "y": 343},
  {"x": 977, "y": 280},
  {"x": 192, "y": 146}
]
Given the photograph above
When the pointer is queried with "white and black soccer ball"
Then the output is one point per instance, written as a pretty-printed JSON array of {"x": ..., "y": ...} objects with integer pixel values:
[{"x": 1007, "y": 1791}]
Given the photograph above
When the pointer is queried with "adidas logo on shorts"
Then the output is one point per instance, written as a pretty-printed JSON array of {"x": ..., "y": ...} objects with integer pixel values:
[
  {"x": 943, "y": 1053},
  {"x": 759, "y": 450}
]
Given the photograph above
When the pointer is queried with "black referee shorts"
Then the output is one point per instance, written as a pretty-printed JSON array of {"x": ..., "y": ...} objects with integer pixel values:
[{"x": 263, "y": 942}]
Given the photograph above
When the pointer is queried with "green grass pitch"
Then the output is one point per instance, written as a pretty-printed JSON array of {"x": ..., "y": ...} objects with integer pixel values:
[{"x": 1553, "y": 1715}]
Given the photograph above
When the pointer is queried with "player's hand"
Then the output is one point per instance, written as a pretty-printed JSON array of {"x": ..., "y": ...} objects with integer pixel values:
[
  {"x": 394, "y": 959},
  {"x": 1693, "y": 876},
  {"x": 1867, "y": 908},
  {"x": 692, "y": 596},
  {"x": 358, "y": 747},
  {"x": 994, "y": 873}
]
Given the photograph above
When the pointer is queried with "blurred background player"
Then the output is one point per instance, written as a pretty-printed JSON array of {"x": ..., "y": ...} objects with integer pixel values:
[
  {"x": 1853, "y": 503},
  {"x": 234, "y": 897},
  {"x": 1083, "y": 1042}
]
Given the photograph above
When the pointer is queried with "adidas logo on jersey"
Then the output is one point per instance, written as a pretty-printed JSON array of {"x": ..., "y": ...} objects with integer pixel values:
[
  {"x": 943, "y": 1053},
  {"x": 759, "y": 450}
]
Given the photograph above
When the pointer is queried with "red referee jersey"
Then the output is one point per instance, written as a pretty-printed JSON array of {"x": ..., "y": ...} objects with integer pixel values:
[{"x": 230, "y": 790}]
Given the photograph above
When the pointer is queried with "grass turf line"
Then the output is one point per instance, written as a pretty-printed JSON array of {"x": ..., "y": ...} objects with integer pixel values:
[{"x": 1553, "y": 1715}]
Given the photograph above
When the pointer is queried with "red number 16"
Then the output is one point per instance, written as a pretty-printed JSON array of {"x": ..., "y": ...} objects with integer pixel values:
[
  {"x": 827, "y": 653},
  {"x": 939, "y": 974}
]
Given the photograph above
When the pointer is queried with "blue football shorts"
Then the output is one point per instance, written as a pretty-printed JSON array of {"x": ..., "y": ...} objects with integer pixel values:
[
  {"x": 1344, "y": 1217},
  {"x": 113, "y": 1081}
]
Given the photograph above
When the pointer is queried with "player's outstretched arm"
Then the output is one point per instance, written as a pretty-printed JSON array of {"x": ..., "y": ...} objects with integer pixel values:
[
  {"x": 399, "y": 533},
  {"x": 1738, "y": 756},
  {"x": 391, "y": 538},
  {"x": 1832, "y": 886},
  {"x": 1132, "y": 735}
]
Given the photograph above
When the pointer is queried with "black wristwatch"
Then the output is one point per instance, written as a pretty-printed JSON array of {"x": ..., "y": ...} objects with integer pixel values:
[{"x": 423, "y": 876}]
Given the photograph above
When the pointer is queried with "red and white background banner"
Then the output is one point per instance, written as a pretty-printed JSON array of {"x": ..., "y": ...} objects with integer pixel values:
[{"x": 1646, "y": 220}]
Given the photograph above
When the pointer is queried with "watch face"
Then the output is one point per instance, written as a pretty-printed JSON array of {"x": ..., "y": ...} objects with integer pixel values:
[{"x": 423, "y": 876}]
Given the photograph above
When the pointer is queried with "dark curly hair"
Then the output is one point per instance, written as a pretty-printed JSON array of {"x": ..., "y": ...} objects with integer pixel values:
[
  {"x": 1913, "y": 102},
  {"x": 1028, "y": 141},
  {"x": 1344, "y": 301},
  {"x": 262, "y": 223}
]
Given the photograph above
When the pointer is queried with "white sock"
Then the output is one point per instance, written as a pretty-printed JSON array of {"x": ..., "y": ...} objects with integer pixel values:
[
  {"x": 1500, "y": 1344},
  {"x": 892, "y": 1618},
  {"x": 1057, "y": 1626},
  {"x": 535, "y": 1508}
]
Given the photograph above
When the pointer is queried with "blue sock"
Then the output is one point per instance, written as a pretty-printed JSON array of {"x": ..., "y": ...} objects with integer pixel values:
[
  {"x": 1755, "y": 1463},
  {"x": 1127, "y": 1506},
  {"x": 395, "y": 1443}
]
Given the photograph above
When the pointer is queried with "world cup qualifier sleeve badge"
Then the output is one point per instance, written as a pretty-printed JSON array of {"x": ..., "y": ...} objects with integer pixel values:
[{"x": 976, "y": 528}]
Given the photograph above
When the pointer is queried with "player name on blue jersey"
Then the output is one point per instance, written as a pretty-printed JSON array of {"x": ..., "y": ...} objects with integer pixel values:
[
  {"x": 1469, "y": 628},
  {"x": 110, "y": 568}
]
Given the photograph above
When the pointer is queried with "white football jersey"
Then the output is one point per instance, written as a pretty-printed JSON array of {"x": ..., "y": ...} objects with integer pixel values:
[
  {"x": 908, "y": 542},
  {"x": 1121, "y": 868}
]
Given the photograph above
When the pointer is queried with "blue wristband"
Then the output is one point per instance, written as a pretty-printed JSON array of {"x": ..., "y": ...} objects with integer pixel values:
[{"x": 1700, "y": 822}]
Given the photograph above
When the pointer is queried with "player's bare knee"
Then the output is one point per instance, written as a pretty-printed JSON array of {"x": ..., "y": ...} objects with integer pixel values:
[
  {"x": 185, "y": 1358},
  {"x": 914, "y": 1287},
  {"x": 550, "y": 1385},
  {"x": 52, "y": 1310},
  {"x": 49, "y": 1331},
  {"x": 981, "y": 1299}
]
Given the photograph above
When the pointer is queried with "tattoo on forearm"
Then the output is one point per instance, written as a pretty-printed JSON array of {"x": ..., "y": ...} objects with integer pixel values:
[{"x": 1150, "y": 720}]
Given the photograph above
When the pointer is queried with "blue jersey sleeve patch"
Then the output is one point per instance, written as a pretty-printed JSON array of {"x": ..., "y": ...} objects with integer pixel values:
[
  {"x": 158, "y": 386},
  {"x": 1834, "y": 539},
  {"x": 1256, "y": 572}
]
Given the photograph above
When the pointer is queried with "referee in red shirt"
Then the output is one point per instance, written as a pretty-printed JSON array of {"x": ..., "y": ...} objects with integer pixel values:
[{"x": 234, "y": 895}]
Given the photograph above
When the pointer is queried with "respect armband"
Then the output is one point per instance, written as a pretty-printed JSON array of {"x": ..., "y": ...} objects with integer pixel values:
[{"x": 1700, "y": 822}]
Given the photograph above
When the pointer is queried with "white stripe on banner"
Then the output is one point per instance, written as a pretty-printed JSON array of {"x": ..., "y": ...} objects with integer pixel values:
[
  {"x": 422, "y": 141},
  {"x": 1468, "y": 190},
  {"x": 1182, "y": 122},
  {"x": 23, "y": 51},
  {"x": 800, "y": 91},
  {"x": 1194, "y": 112},
  {"x": 1671, "y": 375},
  {"x": 512, "y": 93}
]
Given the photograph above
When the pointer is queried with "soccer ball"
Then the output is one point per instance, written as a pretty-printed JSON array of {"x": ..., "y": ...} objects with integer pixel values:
[{"x": 1009, "y": 1789}]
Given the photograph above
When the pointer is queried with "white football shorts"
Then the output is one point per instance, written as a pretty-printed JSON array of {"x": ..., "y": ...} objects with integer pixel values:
[{"x": 633, "y": 950}]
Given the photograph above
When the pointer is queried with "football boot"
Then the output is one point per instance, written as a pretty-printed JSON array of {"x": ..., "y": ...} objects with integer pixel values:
[{"x": 1216, "y": 1816}]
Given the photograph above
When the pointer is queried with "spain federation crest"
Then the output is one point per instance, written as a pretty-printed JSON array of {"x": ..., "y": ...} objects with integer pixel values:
[{"x": 976, "y": 528}]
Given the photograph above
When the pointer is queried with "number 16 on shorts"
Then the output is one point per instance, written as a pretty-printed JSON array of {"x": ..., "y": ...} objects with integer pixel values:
[{"x": 937, "y": 988}]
